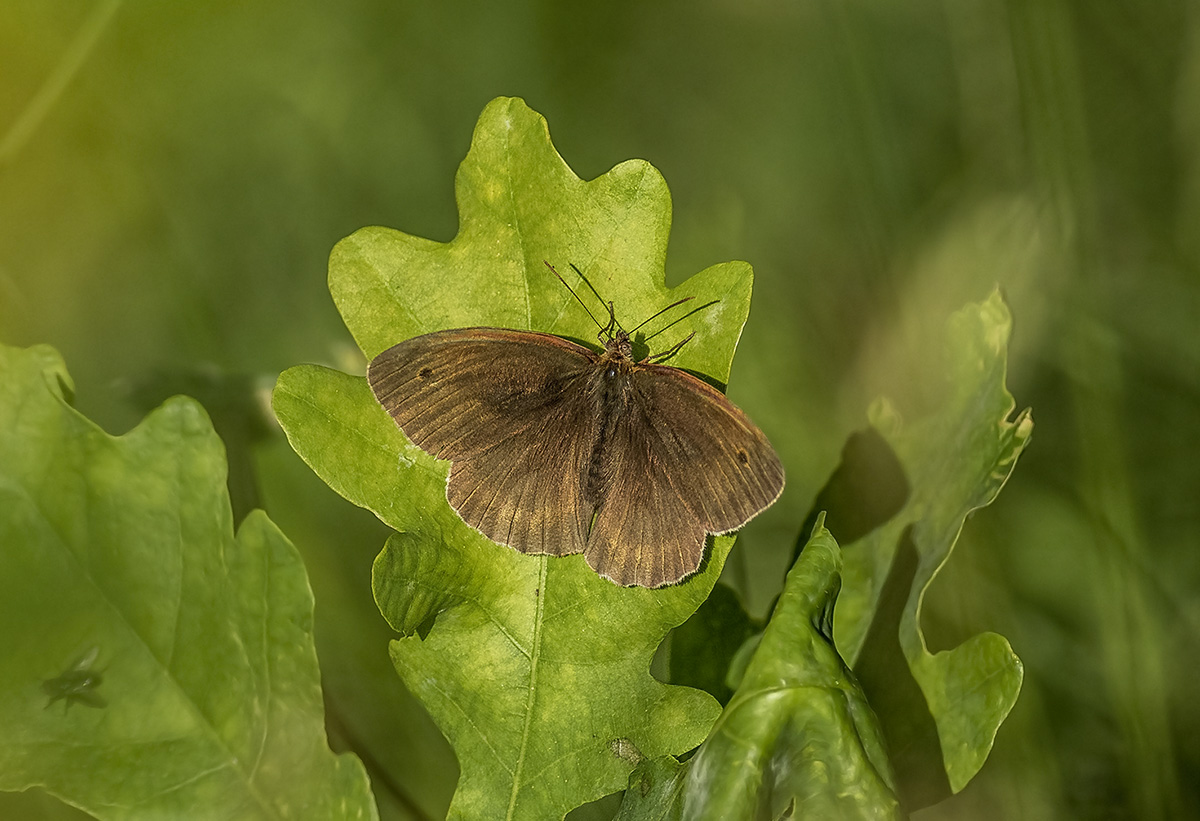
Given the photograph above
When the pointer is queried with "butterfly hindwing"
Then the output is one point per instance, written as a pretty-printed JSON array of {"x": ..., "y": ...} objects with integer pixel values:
[
  {"x": 509, "y": 409},
  {"x": 682, "y": 462},
  {"x": 643, "y": 533}
]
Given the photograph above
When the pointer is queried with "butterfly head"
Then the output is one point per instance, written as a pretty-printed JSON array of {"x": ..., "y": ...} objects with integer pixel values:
[
  {"x": 619, "y": 346},
  {"x": 618, "y": 343}
]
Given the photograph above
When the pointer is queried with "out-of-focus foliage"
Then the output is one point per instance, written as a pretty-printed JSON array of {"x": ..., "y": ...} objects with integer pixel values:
[
  {"x": 173, "y": 176},
  {"x": 955, "y": 461},
  {"x": 198, "y": 656}
]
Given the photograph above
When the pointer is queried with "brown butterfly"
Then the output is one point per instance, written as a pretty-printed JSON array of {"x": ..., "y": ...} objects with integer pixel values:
[{"x": 557, "y": 449}]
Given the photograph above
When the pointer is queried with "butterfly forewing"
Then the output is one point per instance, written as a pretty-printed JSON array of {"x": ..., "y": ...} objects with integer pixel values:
[{"x": 507, "y": 408}]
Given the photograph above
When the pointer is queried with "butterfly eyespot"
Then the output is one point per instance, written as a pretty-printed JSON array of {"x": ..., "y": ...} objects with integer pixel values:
[
  {"x": 743, "y": 457},
  {"x": 425, "y": 373}
]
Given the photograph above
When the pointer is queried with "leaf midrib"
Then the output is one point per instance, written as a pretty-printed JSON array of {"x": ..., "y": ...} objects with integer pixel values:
[{"x": 535, "y": 652}]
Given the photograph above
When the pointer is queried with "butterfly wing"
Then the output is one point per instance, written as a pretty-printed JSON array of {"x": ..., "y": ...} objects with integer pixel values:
[
  {"x": 688, "y": 462},
  {"x": 510, "y": 411},
  {"x": 643, "y": 533},
  {"x": 722, "y": 465}
]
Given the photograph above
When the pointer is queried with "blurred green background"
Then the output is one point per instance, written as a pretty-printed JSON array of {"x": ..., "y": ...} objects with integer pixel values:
[{"x": 173, "y": 176}]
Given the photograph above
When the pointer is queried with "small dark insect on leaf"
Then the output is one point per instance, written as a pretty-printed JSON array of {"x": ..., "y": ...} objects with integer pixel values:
[
  {"x": 557, "y": 449},
  {"x": 77, "y": 684}
]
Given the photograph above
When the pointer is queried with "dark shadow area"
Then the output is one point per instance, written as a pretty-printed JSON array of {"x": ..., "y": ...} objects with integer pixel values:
[
  {"x": 704, "y": 645},
  {"x": 908, "y": 727},
  {"x": 867, "y": 489}
]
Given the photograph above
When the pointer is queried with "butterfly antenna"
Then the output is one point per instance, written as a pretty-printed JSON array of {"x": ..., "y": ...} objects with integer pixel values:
[
  {"x": 572, "y": 290},
  {"x": 674, "y": 349},
  {"x": 596, "y": 293},
  {"x": 677, "y": 320},
  {"x": 664, "y": 310},
  {"x": 607, "y": 330}
]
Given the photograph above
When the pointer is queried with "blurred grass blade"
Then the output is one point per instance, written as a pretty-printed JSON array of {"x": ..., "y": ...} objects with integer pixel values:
[{"x": 56, "y": 83}]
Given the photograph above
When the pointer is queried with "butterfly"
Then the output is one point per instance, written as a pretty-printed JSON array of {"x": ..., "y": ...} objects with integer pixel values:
[{"x": 557, "y": 449}]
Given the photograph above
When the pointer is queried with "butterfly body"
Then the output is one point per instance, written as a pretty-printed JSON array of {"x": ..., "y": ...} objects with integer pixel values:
[
  {"x": 557, "y": 449},
  {"x": 610, "y": 390}
]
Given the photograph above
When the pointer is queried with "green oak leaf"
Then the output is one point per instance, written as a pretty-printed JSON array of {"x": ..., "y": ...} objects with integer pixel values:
[
  {"x": 187, "y": 650},
  {"x": 797, "y": 739},
  {"x": 535, "y": 668},
  {"x": 940, "y": 711}
]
